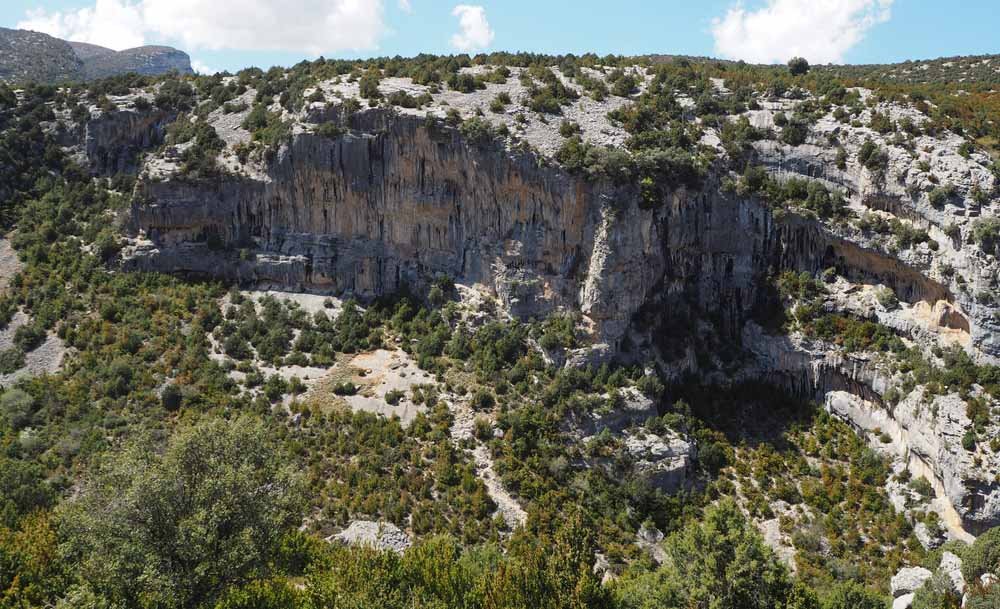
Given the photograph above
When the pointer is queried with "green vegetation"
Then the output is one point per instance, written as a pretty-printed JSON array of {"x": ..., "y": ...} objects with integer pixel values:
[
  {"x": 797, "y": 66},
  {"x": 551, "y": 95},
  {"x": 178, "y": 529},
  {"x": 809, "y": 196},
  {"x": 167, "y": 465}
]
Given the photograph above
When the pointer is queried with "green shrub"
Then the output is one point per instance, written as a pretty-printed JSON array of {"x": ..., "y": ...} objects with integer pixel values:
[
  {"x": 345, "y": 388},
  {"x": 941, "y": 195},
  {"x": 986, "y": 232},
  {"x": 873, "y": 158},
  {"x": 482, "y": 399},
  {"x": 11, "y": 360},
  {"x": 797, "y": 66},
  {"x": 477, "y": 130},
  {"x": 171, "y": 397},
  {"x": 368, "y": 85},
  {"x": 569, "y": 128}
]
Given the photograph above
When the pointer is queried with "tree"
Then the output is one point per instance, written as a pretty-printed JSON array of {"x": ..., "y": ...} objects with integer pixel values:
[
  {"x": 368, "y": 85},
  {"x": 798, "y": 66},
  {"x": 171, "y": 397},
  {"x": 176, "y": 530},
  {"x": 719, "y": 562},
  {"x": 936, "y": 593},
  {"x": 983, "y": 556},
  {"x": 852, "y": 595}
]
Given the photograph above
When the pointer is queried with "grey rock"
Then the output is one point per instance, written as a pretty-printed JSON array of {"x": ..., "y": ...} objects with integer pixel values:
[
  {"x": 380, "y": 535},
  {"x": 664, "y": 460},
  {"x": 951, "y": 566},
  {"x": 927, "y": 538},
  {"x": 903, "y": 602},
  {"x": 909, "y": 580}
]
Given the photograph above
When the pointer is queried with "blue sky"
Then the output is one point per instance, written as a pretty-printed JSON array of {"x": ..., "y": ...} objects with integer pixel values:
[{"x": 230, "y": 34}]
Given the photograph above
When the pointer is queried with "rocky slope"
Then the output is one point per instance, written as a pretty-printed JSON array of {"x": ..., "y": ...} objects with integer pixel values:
[
  {"x": 393, "y": 198},
  {"x": 26, "y": 55},
  {"x": 99, "y": 62}
]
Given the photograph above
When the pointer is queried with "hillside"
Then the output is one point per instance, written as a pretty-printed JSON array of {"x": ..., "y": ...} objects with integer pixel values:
[
  {"x": 35, "y": 56},
  {"x": 99, "y": 62},
  {"x": 502, "y": 332}
]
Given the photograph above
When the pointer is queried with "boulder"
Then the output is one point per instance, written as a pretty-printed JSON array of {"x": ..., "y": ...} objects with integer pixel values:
[
  {"x": 903, "y": 602},
  {"x": 951, "y": 566},
  {"x": 664, "y": 460},
  {"x": 380, "y": 535},
  {"x": 909, "y": 580}
]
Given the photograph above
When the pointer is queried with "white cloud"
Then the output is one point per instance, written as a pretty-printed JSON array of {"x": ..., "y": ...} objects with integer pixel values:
[
  {"x": 474, "y": 30},
  {"x": 308, "y": 26},
  {"x": 201, "y": 67},
  {"x": 822, "y": 31},
  {"x": 406, "y": 6},
  {"x": 111, "y": 23}
]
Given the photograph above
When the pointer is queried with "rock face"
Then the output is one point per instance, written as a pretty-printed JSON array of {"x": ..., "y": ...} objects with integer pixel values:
[
  {"x": 909, "y": 580},
  {"x": 379, "y": 535},
  {"x": 113, "y": 141},
  {"x": 395, "y": 199},
  {"x": 664, "y": 460}
]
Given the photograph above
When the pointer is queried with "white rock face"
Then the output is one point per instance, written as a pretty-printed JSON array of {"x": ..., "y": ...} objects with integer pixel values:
[
  {"x": 665, "y": 460},
  {"x": 396, "y": 198},
  {"x": 951, "y": 566},
  {"x": 380, "y": 535},
  {"x": 909, "y": 580},
  {"x": 903, "y": 602}
]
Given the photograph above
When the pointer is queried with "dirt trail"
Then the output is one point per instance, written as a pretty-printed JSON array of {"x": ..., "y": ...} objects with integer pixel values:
[{"x": 461, "y": 429}]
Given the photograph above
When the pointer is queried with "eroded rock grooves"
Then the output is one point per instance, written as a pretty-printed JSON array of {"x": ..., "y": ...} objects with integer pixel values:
[{"x": 397, "y": 199}]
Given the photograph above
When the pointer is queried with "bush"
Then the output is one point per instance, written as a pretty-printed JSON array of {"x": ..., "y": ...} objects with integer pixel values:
[
  {"x": 465, "y": 83},
  {"x": 393, "y": 396},
  {"x": 11, "y": 360},
  {"x": 983, "y": 556},
  {"x": 936, "y": 593},
  {"x": 569, "y": 128},
  {"x": 29, "y": 336},
  {"x": 482, "y": 399},
  {"x": 969, "y": 440},
  {"x": 482, "y": 428},
  {"x": 797, "y": 66},
  {"x": 171, "y": 397},
  {"x": 851, "y": 595},
  {"x": 345, "y": 388},
  {"x": 941, "y": 195},
  {"x": 873, "y": 158},
  {"x": 477, "y": 130},
  {"x": 16, "y": 408},
  {"x": 329, "y": 130},
  {"x": 136, "y": 536},
  {"x": 794, "y": 133},
  {"x": 986, "y": 232},
  {"x": 881, "y": 123},
  {"x": 368, "y": 85}
]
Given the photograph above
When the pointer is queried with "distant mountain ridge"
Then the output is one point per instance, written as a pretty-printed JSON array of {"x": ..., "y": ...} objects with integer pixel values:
[{"x": 27, "y": 55}]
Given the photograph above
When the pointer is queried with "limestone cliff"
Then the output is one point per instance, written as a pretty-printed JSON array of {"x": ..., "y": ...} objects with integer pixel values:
[{"x": 393, "y": 198}]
